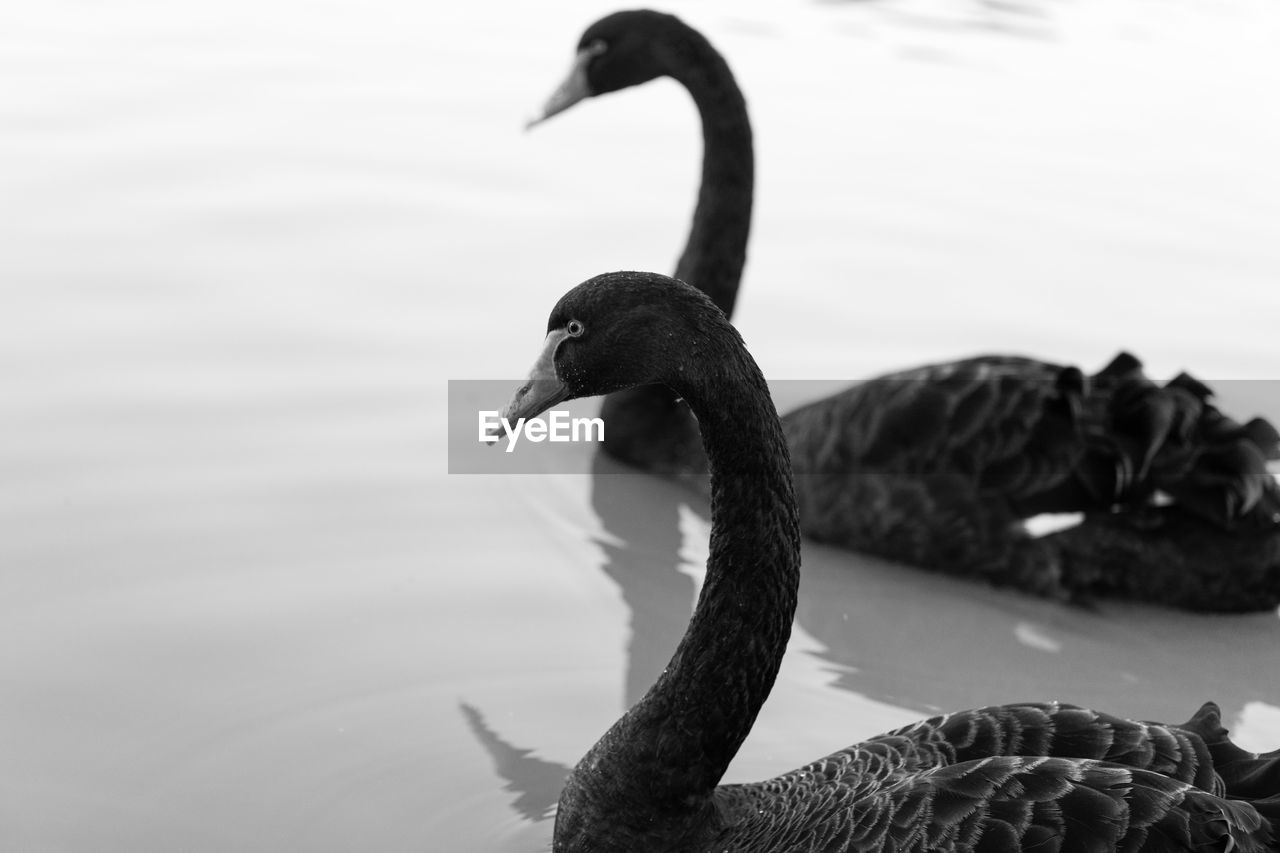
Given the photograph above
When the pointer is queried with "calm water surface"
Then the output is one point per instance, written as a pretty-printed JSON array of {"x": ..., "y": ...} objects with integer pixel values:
[{"x": 243, "y": 604}]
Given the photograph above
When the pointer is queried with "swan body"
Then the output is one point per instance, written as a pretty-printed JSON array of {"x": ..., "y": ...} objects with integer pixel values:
[
  {"x": 1031, "y": 776},
  {"x": 940, "y": 466}
]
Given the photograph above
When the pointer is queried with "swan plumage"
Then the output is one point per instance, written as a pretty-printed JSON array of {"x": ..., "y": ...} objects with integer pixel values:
[
  {"x": 940, "y": 466},
  {"x": 1043, "y": 776}
]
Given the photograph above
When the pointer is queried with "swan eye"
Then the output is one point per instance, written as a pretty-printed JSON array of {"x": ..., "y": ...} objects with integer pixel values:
[
  {"x": 575, "y": 328},
  {"x": 596, "y": 47}
]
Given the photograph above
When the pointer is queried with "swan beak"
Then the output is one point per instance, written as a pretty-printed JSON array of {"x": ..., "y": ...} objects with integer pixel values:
[
  {"x": 542, "y": 390},
  {"x": 574, "y": 88}
]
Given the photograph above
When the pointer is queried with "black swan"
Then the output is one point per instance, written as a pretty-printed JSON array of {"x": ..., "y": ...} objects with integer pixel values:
[
  {"x": 1014, "y": 777},
  {"x": 940, "y": 466}
]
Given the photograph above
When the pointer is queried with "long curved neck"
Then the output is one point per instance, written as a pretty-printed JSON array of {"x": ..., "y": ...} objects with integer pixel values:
[
  {"x": 646, "y": 426},
  {"x": 716, "y": 250},
  {"x": 663, "y": 759},
  {"x": 726, "y": 664}
]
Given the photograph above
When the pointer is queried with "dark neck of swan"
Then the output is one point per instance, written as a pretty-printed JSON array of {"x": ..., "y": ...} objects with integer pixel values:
[
  {"x": 662, "y": 760},
  {"x": 647, "y": 427},
  {"x": 716, "y": 250}
]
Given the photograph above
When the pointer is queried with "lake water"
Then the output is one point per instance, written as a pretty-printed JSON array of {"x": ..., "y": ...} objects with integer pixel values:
[{"x": 243, "y": 604}]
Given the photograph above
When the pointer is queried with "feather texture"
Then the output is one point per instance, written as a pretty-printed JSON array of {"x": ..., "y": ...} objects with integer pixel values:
[
  {"x": 941, "y": 466},
  {"x": 1018, "y": 777}
]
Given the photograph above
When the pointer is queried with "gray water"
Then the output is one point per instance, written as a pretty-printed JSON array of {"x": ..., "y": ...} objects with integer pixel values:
[{"x": 243, "y": 604}]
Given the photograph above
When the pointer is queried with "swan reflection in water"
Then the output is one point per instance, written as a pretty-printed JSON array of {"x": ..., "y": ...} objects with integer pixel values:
[
  {"x": 913, "y": 639},
  {"x": 535, "y": 782},
  {"x": 641, "y": 540}
]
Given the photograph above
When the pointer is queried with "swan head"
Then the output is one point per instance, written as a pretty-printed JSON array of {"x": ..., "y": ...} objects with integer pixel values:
[
  {"x": 619, "y": 50},
  {"x": 620, "y": 330}
]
